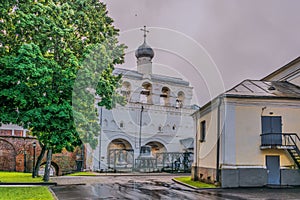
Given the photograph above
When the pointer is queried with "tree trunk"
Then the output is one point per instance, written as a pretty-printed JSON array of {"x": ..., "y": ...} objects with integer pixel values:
[
  {"x": 39, "y": 160},
  {"x": 48, "y": 165}
]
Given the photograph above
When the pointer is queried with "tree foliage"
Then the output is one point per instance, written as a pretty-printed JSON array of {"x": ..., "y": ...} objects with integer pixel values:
[{"x": 48, "y": 48}]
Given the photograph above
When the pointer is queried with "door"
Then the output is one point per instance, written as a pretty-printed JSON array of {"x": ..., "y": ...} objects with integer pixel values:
[
  {"x": 273, "y": 170},
  {"x": 271, "y": 130}
]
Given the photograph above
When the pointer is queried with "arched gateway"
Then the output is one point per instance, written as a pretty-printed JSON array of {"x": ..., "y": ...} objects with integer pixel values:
[
  {"x": 156, "y": 147},
  {"x": 120, "y": 155}
]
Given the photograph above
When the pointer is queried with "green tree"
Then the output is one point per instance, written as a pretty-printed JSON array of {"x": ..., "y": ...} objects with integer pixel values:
[{"x": 68, "y": 36}]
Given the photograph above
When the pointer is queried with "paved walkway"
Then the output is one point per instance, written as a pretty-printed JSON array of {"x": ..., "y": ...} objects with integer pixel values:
[
  {"x": 111, "y": 177},
  {"x": 152, "y": 186}
]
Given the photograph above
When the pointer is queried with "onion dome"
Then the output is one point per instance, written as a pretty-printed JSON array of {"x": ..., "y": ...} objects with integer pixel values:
[{"x": 144, "y": 51}]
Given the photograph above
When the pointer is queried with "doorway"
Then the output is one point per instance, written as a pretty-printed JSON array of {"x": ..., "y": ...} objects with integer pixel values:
[
  {"x": 271, "y": 130},
  {"x": 273, "y": 170}
]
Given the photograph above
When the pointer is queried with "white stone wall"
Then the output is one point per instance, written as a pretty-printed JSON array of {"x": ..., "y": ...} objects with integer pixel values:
[{"x": 166, "y": 125}]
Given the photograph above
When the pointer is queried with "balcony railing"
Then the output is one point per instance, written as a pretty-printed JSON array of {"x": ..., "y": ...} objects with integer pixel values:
[{"x": 279, "y": 140}]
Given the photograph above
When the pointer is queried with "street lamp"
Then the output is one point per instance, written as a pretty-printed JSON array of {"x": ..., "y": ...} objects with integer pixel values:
[
  {"x": 141, "y": 121},
  {"x": 25, "y": 161},
  {"x": 100, "y": 139},
  {"x": 33, "y": 165}
]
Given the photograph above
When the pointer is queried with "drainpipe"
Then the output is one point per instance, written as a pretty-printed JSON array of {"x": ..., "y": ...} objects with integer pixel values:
[{"x": 218, "y": 140}]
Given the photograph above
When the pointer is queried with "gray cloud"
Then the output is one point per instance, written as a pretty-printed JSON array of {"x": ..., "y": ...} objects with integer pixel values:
[{"x": 246, "y": 39}]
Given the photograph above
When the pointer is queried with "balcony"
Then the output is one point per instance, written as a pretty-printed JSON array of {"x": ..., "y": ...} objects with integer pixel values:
[{"x": 279, "y": 140}]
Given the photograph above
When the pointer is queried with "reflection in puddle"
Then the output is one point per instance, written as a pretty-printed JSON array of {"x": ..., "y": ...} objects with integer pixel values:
[
  {"x": 135, "y": 189},
  {"x": 148, "y": 189}
]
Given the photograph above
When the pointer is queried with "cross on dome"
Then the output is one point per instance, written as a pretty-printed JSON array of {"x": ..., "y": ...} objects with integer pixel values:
[
  {"x": 144, "y": 51},
  {"x": 145, "y": 33}
]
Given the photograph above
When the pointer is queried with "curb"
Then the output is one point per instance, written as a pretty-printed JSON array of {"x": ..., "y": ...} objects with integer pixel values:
[
  {"x": 195, "y": 188},
  {"x": 70, "y": 184},
  {"x": 141, "y": 174},
  {"x": 28, "y": 183},
  {"x": 184, "y": 184},
  {"x": 53, "y": 194}
]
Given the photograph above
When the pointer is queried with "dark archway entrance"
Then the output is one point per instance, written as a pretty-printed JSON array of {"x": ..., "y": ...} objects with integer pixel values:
[
  {"x": 54, "y": 169},
  {"x": 156, "y": 147}
]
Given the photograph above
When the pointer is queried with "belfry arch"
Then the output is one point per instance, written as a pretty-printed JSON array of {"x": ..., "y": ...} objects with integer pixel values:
[
  {"x": 156, "y": 147},
  {"x": 120, "y": 155}
]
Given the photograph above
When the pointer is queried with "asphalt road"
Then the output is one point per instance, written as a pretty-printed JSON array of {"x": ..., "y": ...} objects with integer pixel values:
[{"x": 157, "y": 187}]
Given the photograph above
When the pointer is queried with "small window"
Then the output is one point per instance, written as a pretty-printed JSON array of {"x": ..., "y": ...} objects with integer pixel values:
[
  {"x": 174, "y": 127},
  {"x": 180, "y": 99},
  {"x": 202, "y": 131},
  {"x": 105, "y": 122},
  {"x": 159, "y": 128},
  {"x": 121, "y": 124}
]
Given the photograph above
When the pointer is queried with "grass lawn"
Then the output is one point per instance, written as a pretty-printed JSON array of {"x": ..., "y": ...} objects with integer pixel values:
[
  {"x": 25, "y": 193},
  {"x": 198, "y": 184},
  {"x": 7, "y": 177},
  {"x": 82, "y": 174}
]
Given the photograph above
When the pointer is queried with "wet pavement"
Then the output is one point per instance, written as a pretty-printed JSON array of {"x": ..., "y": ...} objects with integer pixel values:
[{"x": 156, "y": 187}]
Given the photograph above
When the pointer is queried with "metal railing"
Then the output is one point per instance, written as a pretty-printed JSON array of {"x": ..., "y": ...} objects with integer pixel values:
[{"x": 280, "y": 139}]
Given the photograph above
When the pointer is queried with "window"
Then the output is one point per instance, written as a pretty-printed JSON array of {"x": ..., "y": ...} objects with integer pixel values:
[
  {"x": 160, "y": 128},
  {"x": 121, "y": 125},
  {"x": 165, "y": 96},
  {"x": 105, "y": 122},
  {"x": 125, "y": 90},
  {"x": 174, "y": 127},
  {"x": 145, "y": 95},
  {"x": 180, "y": 99},
  {"x": 202, "y": 131}
]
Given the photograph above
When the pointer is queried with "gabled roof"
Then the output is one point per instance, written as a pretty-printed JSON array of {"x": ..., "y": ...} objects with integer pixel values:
[
  {"x": 285, "y": 72},
  {"x": 257, "y": 88}
]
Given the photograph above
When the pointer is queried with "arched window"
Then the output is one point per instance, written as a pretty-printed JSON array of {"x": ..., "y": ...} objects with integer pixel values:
[
  {"x": 146, "y": 93},
  {"x": 174, "y": 127},
  {"x": 165, "y": 96},
  {"x": 121, "y": 124},
  {"x": 168, "y": 127},
  {"x": 160, "y": 128},
  {"x": 126, "y": 90},
  {"x": 105, "y": 123},
  {"x": 180, "y": 99}
]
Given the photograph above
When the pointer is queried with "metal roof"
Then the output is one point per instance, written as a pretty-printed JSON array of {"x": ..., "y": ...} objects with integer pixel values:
[
  {"x": 155, "y": 77},
  {"x": 258, "y": 88}
]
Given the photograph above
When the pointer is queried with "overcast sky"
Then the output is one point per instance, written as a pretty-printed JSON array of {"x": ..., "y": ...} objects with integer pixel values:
[{"x": 245, "y": 39}]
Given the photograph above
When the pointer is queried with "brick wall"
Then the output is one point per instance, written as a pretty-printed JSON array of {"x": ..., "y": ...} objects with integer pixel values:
[{"x": 16, "y": 154}]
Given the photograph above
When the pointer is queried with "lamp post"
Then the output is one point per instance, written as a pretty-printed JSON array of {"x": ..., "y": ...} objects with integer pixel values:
[
  {"x": 25, "y": 161},
  {"x": 100, "y": 139},
  {"x": 33, "y": 165},
  {"x": 141, "y": 120}
]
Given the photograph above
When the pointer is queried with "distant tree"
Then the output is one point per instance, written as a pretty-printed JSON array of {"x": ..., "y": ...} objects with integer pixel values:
[{"x": 44, "y": 45}]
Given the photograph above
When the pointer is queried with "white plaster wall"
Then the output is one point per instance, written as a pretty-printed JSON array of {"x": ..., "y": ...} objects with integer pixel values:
[
  {"x": 154, "y": 115},
  {"x": 207, "y": 149},
  {"x": 228, "y": 135}
]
